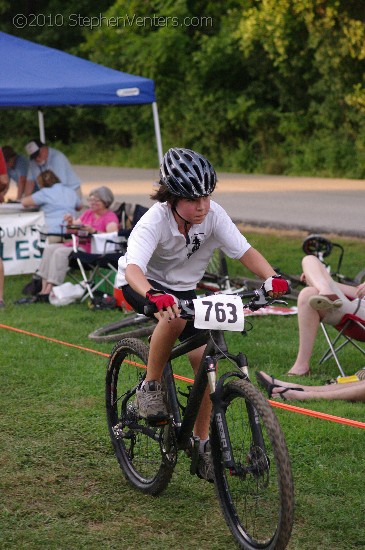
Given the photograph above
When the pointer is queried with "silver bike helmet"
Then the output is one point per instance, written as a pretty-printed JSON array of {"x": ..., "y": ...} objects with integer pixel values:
[{"x": 187, "y": 174}]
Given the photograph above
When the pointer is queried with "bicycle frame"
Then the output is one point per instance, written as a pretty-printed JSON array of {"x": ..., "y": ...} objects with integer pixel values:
[{"x": 216, "y": 348}]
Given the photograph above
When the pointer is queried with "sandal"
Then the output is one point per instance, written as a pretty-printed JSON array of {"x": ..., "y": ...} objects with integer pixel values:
[
  {"x": 325, "y": 301},
  {"x": 284, "y": 390},
  {"x": 268, "y": 386}
]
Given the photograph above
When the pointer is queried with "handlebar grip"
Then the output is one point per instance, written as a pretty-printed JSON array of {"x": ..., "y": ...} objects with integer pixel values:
[{"x": 150, "y": 309}]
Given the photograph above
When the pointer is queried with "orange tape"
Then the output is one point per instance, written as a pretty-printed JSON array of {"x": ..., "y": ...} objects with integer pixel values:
[{"x": 291, "y": 408}]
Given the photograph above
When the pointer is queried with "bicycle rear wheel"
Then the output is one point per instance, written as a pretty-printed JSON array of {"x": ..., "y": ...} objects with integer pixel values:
[
  {"x": 146, "y": 454},
  {"x": 257, "y": 499}
]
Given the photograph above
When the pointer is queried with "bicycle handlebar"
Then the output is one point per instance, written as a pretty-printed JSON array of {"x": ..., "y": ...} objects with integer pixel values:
[{"x": 257, "y": 299}]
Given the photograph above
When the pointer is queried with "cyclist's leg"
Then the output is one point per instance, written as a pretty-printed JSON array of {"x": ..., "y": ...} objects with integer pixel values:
[
  {"x": 150, "y": 396},
  {"x": 163, "y": 338},
  {"x": 201, "y": 427}
]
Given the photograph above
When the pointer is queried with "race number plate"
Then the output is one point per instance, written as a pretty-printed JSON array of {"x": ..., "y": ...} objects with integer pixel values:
[{"x": 219, "y": 312}]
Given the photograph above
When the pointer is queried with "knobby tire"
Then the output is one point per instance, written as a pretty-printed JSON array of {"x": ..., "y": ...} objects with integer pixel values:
[
  {"x": 258, "y": 502},
  {"x": 133, "y": 326},
  {"x": 144, "y": 453}
]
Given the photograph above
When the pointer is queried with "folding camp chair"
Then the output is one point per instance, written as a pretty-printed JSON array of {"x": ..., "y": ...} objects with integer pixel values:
[
  {"x": 129, "y": 215},
  {"x": 97, "y": 268},
  {"x": 100, "y": 267},
  {"x": 351, "y": 330}
]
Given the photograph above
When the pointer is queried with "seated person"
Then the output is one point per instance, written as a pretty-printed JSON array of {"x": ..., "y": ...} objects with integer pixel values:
[
  {"x": 56, "y": 200},
  {"x": 17, "y": 166},
  {"x": 322, "y": 300},
  {"x": 97, "y": 219},
  {"x": 353, "y": 391}
]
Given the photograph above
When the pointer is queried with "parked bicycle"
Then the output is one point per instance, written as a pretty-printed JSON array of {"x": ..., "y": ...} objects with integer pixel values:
[{"x": 252, "y": 470}]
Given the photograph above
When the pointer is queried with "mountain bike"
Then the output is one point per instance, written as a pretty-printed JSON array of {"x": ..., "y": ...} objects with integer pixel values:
[{"x": 253, "y": 478}]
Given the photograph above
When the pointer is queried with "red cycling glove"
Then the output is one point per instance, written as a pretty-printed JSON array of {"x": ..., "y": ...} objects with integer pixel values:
[
  {"x": 160, "y": 299},
  {"x": 276, "y": 284}
]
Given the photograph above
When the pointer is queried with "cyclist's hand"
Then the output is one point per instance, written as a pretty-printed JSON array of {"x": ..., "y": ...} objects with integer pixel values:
[
  {"x": 163, "y": 302},
  {"x": 276, "y": 286}
]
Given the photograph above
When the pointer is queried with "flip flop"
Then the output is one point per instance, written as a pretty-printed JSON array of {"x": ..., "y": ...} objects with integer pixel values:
[
  {"x": 325, "y": 301},
  {"x": 268, "y": 386},
  {"x": 284, "y": 390}
]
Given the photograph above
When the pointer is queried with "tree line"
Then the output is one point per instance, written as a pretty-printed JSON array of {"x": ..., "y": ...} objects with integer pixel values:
[{"x": 271, "y": 86}]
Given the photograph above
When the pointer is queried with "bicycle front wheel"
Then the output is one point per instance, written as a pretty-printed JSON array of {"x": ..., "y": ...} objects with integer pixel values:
[
  {"x": 256, "y": 497},
  {"x": 132, "y": 326},
  {"x": 146, "y": 454}
]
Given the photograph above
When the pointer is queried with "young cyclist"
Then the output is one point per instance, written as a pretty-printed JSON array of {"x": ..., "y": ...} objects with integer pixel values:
[{"x": 168, "y": 252}]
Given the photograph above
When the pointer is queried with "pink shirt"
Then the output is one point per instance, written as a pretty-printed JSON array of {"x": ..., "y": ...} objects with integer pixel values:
[{"x": 89, "y": 218}]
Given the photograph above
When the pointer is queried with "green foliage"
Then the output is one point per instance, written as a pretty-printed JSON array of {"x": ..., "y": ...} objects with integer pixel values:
[{"x": 274, "y": 86}]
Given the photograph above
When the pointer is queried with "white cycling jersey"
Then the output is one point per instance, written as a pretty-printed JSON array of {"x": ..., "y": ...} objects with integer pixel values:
[{"x": 167, "y": 257}]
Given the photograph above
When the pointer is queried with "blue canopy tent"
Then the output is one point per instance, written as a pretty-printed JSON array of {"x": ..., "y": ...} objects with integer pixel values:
[{"x": 37, "y": 76}]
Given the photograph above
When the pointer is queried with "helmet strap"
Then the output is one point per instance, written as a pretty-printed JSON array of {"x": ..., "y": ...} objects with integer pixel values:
[{"x": 186, "y": 223}]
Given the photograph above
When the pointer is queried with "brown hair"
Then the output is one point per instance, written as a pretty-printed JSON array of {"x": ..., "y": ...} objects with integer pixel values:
[
  {"x": 47, "y": 178},
  {"x": 163, "y": 194}
]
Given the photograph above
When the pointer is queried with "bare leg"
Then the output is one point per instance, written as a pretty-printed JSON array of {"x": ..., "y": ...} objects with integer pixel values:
[
  {"x": 308, "y": 321},
  {"x": 325, "y": 389},
  {"x": 201, "y": 427},
  {"x": 354, "y": 391},
  {"x": 319, "y": 281},
  {"x": 317, "y": 276},
  {"x": 162, "y": 341},
  {"x": 163, "y": 338}
]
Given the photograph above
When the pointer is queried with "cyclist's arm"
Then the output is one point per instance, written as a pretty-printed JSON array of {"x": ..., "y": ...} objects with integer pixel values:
[
  {"x": 255, "y": 262},
  {"x": 136, "y": 279}
]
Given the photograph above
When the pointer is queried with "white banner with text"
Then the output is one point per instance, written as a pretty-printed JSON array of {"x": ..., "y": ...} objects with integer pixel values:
[{"x": 19, "y": 242}]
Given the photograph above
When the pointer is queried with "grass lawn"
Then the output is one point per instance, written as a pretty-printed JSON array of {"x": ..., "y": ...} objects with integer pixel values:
[{"x": 60, "y": 485}]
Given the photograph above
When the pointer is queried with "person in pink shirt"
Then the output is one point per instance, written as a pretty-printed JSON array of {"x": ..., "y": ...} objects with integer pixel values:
[{"x": 97, "y": 219}]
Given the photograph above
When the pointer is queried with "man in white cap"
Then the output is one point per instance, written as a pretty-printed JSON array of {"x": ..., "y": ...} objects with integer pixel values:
[{"x": 43, "y": 158}]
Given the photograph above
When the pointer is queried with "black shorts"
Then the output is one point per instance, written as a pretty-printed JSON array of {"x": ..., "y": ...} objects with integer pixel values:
[{"x": 138, "y": 303}]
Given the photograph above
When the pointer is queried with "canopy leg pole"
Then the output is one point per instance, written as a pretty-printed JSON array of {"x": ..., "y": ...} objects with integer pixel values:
[
  {"x": 42, "y": 134},
  {"x": 157, "y": 131}
]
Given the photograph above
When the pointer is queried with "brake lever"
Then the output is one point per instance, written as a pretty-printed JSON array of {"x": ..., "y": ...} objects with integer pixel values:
[{"x": 275, "y": 301}]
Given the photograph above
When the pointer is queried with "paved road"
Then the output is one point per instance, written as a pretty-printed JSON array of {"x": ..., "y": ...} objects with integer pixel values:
[{"x": 312, "y": 204}]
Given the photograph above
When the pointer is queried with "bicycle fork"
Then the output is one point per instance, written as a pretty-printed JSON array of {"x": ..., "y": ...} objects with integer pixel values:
[{"x": 216, "y": 395}]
